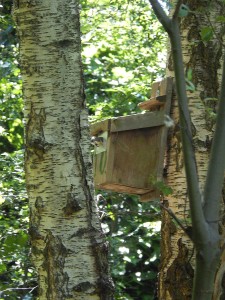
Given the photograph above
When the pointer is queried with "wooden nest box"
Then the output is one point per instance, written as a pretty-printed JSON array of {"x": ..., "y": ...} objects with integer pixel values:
[{"x": 129, "y": 151}]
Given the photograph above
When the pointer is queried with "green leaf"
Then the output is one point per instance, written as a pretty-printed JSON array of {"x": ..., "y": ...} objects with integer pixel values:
[
  {"x": 161, "y": 186},
  {"x": 3, "y": 268},
  {"x": 207, "y": 34},
  {"x": 220, "y": 19},
  {"x": 190, "y": 86},
  {"x": 15, "y": 242},
  {"x": 189, "y": 74}
]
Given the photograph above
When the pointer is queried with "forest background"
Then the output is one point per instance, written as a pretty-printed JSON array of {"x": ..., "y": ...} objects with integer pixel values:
[{"x": 123, "y": 54}]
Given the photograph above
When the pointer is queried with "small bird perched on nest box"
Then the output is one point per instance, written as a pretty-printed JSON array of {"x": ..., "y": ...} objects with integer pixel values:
[{"x": 97, "y": 140}]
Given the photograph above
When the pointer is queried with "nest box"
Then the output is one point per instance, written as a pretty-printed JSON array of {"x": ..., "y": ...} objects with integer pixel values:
[{"x": 129, "y": 151}]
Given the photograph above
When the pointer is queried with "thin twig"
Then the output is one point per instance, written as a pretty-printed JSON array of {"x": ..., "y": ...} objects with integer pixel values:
[
  {"x": 16, "y": 289},
  {"x": 171, "y": 213},
  {"x": 161, "y": 15}
]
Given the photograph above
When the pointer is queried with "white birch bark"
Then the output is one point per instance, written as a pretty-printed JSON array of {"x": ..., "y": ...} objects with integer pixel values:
[
  {"x": 204, "y": 59},
  {"x": 68, "y": 247}
]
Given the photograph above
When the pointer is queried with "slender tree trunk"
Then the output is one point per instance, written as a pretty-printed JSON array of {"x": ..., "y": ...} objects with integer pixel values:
[
  {"x": 202, "y": 61},
  {"x": 68, "y": 247}
]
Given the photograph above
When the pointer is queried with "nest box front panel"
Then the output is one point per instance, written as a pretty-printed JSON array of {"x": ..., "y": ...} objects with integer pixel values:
[
  {"x": 134, "y": 157},
  {"x": 131, "y": 156}
]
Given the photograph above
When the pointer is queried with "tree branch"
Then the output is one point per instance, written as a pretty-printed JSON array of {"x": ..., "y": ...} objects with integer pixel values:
[
  {"x": 205, "y": 230},
  {"x": 215, "y": 175},
  {"x": 195, "y": 198},
  {"x": 177, "y": 8},
  {"x": 161, "y": 15}
]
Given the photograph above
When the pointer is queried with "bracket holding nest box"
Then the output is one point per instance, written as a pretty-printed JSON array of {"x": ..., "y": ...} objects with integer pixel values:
[{"x": 130, "y": 150}]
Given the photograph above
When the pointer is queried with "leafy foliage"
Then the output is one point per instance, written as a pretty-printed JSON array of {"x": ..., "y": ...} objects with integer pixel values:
[
  {"x": 11, "y": 128},
  {"x": 17, "y": 277},
  {"x": 133, "y": 232},
  {"x": 16, "y": 273},
  {"x": 123, "y": 53}
]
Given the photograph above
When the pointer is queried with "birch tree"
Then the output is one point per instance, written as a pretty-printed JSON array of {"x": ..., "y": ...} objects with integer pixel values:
[
  {"x": 195, "y": 60},
  {"x": 68, "y": 248}
]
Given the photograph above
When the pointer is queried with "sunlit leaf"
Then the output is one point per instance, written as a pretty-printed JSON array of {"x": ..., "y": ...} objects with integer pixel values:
[{"x": 207, "y": 34}]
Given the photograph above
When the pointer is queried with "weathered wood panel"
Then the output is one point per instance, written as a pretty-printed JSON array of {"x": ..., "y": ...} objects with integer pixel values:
[
  {"x": 148, "y": 119},
  {"x": 101, "y": 126},
  {"x": 134, "y": 152}
]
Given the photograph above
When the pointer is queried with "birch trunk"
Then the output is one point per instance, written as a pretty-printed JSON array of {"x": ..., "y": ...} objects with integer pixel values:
[
  {"x": 203, "y": 60},
  {"x": 68, "y": 247}
]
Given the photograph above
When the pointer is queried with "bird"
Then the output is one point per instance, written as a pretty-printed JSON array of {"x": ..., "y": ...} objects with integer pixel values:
[{"x": 97, "y": 141}]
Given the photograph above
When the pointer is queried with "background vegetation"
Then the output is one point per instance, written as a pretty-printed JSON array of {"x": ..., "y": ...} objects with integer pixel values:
[{"x": 123, "y": 53}]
